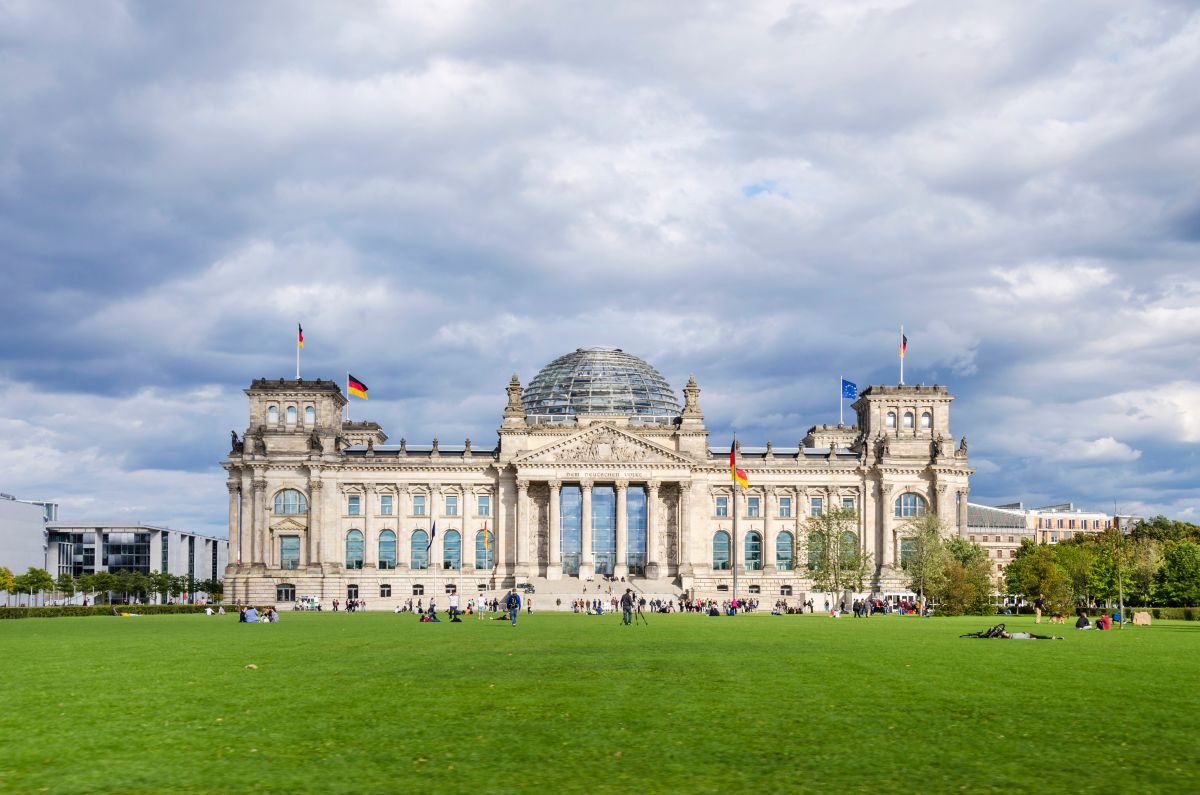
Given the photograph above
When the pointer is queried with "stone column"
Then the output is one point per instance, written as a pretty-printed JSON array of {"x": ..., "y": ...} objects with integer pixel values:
[
  {"x": 888, "y": 536},
  {"x": 621, "y": 567},
  {"x": 772, "y": 510},
  {"x": 246, "y": 522},
  {"x": 586, "y": 562},
  {"x": 312, "y": 552},
  {"x": 653, "y": 532},
  {"x": 436, "y": 510},
  {"x": 963, "y": 519},
  {"x": 523, "y": 511},
  {"x": 685, "y": 528},
  {"x": 403, "y": 541},
  {"x": 370, "y": 543},
  {"x": 259, "y": 520},
  {"x": 554, "y": 566},
  {"x": 467, "y": 546},
  {"x": 331, "y": 524},
  {"x": 234, "y": 554}
]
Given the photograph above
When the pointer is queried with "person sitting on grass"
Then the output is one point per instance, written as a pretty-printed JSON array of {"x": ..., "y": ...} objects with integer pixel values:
[
  {"x": 1082, "y": 622},
  {"x": 1103, "y": 622},
  {"x": 251, "y": 615}
]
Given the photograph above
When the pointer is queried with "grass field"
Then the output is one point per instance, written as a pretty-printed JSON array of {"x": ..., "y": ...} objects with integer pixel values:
[{"x": 566, "y": 703}]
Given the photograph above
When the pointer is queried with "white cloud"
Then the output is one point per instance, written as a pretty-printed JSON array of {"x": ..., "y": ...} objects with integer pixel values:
[{"x": 1096, "y": 451}]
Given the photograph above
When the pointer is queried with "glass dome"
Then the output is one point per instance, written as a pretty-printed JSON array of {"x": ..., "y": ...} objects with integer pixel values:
[{"x": 599, "y": 381}]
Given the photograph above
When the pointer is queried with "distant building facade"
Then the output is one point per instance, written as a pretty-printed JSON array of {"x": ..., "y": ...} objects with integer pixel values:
[
  {"x": 79, "y": 548},
  {"x": 22, "y": 533},
  {"x": 599, "y": 472}
]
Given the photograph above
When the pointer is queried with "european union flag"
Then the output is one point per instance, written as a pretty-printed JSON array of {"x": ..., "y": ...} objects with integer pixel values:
[{"x": 849, "y": 390}]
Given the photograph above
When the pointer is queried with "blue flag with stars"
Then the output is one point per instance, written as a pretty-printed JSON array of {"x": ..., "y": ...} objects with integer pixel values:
[{"x": 849, "y": 390}]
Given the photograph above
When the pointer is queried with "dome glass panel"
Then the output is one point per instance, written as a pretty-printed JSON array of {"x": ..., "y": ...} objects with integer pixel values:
[{"x": 599, "y": 381}]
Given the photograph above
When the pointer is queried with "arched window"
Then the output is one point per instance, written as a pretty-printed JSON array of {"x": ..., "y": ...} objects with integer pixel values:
[
  {"x": 291, "y": 415},
  {"x": 484, "y": 548},
  {"x": 908, "y": 419},
  {"x": 891, "y": 419},
  {"x": 290, "y": 502},
  {"x": 926, "y": 419},
  {"x": 310, "y": 415},
  {"x": 849, "y": 549},
  {"x": 452, "y": 551},
  {"x": 272, "y": 415},
  {"x": 909, "y": 505},
  {"x": 285, "y": 592},
  {"x": 354, "y": 549},
  {"x": 721, "y": 551},
  {"x": 754, "y": 552},
  {"x": 387, "y": 550},
  {"x": 816, "y": 551},
  {"x": 420, "y": 550},
  {"x": 784, "y": 551}
]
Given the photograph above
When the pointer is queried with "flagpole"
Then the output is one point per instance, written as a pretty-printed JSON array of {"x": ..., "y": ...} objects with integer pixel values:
[
  {"x": 297, "y": 354},
  {"x": 841, "y": 403},
  {"x": 733, "y": 546},
  {"x": 346, "y": 408},
  {"x": 901, "y": 354}
]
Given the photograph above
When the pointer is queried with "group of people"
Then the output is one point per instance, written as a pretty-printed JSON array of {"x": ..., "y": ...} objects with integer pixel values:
[
  {"x": 252, "y": 615},
  {"x": 352, "y": 605}
]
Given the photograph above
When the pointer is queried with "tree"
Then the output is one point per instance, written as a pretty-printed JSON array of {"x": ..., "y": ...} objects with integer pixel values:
[
  {"x": 160, "y": 581},
  {"x": 835, "y": 560},
  {"x": 967, "y": 579},
  {"x": 1035, "y": 571},
  {"x": 66, "y": 584},
  {"x": 87, "y": 583},
  {"x": 1179, "y": 578},
  {"x": 1076, "y": 558},
  {"x": 104, "y": 582},
  {"x": 6, "y": 583},
  {"x": 1145, "y": 560},
  {"x": 38, "y": 580},
  {"x": 926, "y": 562}
]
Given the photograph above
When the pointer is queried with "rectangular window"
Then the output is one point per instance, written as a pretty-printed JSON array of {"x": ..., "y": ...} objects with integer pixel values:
[
  {"x": 451, "y": 587},
  {"x": 722, "y": 506},
  {"x": 972, "y": 539},
  {"x": 1095, "y": 524},
  {"x": 908, "y": 549},
  {"x": 755, "y": 589},
  {"x": 165, "y": 557},
  {"x": 1060, "y": 522},
  {"x": 452, "y": 505},
  {"x": 785, "y": 507},
  {"x": 483, "y": 505},
  {"x": 785, "y": 590},
  {"x": 1010, "y": 539},
  {"x": 385, "y": 504},
  {"x": 353, "y": 504},
  {"x": 418, "y": 505},
  {"x": 1053, "y": 537},
  {"x": 1071, "y": 523},
  {"x": 289, "y": 552},
  {"x": 847, "y": 503},
  {"x": 385, "y": 590},
  {"x": 418, "y": 590},
  {"x": 752, "y": 506},
  {"x": 351, "y": 591},
  {"x": 816, "y": 506}
]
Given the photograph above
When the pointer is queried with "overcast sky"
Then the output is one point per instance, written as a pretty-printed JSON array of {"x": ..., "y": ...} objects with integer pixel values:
[{"x": 447, "y": 193}]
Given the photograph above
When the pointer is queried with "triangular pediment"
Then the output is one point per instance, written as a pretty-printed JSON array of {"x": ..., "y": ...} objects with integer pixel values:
[
  {"x": 288, "y": 524},
  {"x": 602, "y": 444}
]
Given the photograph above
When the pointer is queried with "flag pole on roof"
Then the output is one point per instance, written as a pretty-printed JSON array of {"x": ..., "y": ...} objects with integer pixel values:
[
  {"x": 903, "y": 349},
  {"x": 299, "y": 345}
]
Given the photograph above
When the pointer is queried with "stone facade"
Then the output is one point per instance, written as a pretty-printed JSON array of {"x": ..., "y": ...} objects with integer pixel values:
[{"x": 304, "y": 486}]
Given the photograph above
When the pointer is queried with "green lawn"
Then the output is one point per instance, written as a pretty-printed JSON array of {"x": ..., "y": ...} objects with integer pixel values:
[{"x": 567, "y": 703}]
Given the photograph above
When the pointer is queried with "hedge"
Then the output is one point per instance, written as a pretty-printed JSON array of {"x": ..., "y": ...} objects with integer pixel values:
[
  {"x": 1160, "y": 613},
  {"x": 98, "y": 610}
]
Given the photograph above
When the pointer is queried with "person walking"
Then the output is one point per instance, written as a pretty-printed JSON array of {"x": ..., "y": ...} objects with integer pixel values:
[
  {"x": 512, "y": 603},
  {"x": 1039, "y": 605},
  {"x": 627, "y": 607}
]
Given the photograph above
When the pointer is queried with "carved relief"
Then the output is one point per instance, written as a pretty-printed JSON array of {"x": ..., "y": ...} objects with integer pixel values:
[{"x": 603, "y": 447}]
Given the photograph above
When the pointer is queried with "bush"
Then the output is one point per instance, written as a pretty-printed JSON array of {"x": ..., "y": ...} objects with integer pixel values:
[{"x": 98, "y": 610}]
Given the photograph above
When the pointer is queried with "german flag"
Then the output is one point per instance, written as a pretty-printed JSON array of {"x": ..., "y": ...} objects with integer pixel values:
[
  {"x": 299, "y": 336},
  {"x": 738, "y": 475},
  {"x": 903, "y": 344},
  {"x": 356, "y": 387}
]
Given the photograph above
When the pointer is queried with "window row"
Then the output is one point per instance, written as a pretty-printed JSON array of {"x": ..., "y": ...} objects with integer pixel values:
[
  {"x": 419, "y": 505},
  {"x": 908, "y": 419},
  {"x": 420, "y": 544},
  {"x": 286, "y": 592},
  {"x": 1073, "y": 524},
  {"x": 816, "y": 506},
  {"x": 290, "y": 502},
  {"x": 290, "y": 413},
  {"x": 997, "y": 539},
  {"x": 785, "y": 551}
]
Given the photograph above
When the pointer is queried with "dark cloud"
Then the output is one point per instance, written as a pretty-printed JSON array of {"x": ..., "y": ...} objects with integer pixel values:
[{"x": 756, "y": 194}]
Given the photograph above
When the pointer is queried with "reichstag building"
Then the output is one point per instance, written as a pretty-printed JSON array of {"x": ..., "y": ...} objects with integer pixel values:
[{"x": 599, "y": 472}]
